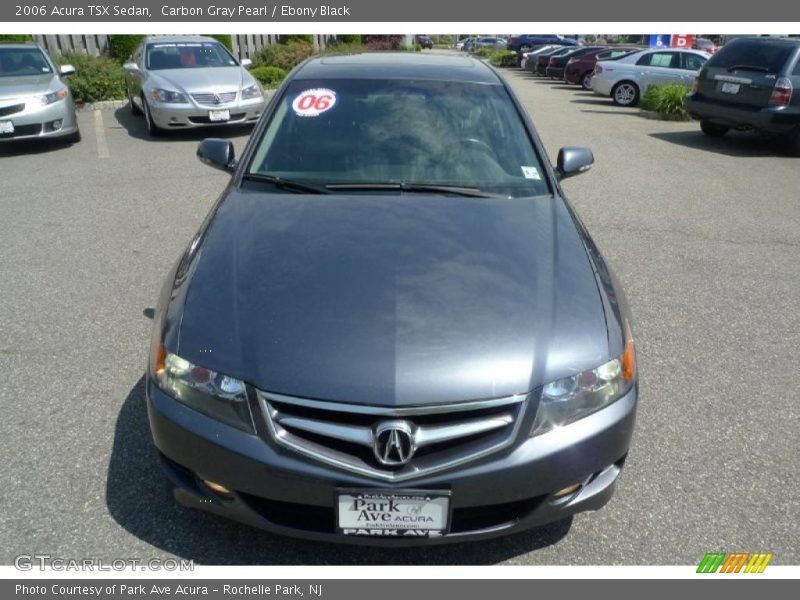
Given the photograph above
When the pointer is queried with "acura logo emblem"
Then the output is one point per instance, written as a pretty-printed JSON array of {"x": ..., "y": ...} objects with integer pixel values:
[
  {"x": 217, "y": 99},
  {"x": 393, "y": 443}
]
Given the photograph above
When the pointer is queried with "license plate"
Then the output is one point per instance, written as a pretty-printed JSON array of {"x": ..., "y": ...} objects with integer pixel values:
[
  {"x": 6, "y": 127},
  {"x": 393, "y": 514},
  {"x": 731, "y": 88},
  {"x": 219, "y": 115}
]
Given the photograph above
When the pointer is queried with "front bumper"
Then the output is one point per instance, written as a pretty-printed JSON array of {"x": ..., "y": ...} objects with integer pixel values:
[
  {"x": 283, "y": 492},
  {"x": 770, "y": 120},
  {"x": 39, "y": 122},
  {"x": 186, "y": 116}
]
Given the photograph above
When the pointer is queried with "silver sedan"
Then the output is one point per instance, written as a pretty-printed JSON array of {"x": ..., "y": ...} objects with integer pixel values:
[
  {"x": 35, "y": 101},
  {"x": 190, "y": 81}
]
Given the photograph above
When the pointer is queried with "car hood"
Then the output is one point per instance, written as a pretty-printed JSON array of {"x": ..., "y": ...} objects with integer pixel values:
[
  {"x": 212, "y": 79},
  {"x": 392, "y": 300},
  {"x": 28, "y": 85}
]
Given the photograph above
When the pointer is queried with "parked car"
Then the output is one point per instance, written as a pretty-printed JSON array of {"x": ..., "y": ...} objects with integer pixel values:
[
  {"x": 705, "y": 45},
  {"x": 468, "y": 45},
  {"x": 580, "y": 68},
  {"x": 543, "y": 59},
  {"x": 190, "y": 81},
  {"x": 528, "y": 57},
  {"x": 462, "y": 44},
  {"x": 374, "y": 337},
  {"x": 751, "y": 83},
  {"x": 35, "y": 100},
  {"x": 424, "y": 41},
  {"x": 521, "y": 42},
  {"x": 493, "y": 43},
  {"x": 557, "y": 63},
  {"x": 626, "y": 78}
]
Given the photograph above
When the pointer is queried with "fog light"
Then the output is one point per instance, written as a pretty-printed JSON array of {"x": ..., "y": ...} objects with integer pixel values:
[
  {"x": 56, "y": 125},
  {"x": 216, "y": 487},
  {"x": 568, "y": 490}
]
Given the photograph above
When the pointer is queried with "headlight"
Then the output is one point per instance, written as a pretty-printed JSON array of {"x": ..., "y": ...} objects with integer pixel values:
[
  {"x": 251, "y": 92},
  {"x": 572, "y": 398},
  {"x": 168, "y": 97},
  {"x": 53, "y": 97},
  {"x": 219, "y": 396}
]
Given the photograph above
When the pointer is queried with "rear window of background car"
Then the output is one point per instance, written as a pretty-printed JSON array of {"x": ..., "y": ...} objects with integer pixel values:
[{"x": 764, "y": 54}]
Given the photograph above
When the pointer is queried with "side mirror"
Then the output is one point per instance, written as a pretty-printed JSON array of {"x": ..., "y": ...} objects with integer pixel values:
[
  {"x": 131, "y": 67},
  {"x": 66, "y": 70},
  {"x": 246, "y": 63},
  {"x": 573, "y": 160},
  {"x": 217, "y": 153}
]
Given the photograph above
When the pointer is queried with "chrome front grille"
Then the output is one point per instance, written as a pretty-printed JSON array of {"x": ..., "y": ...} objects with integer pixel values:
[
  {"x": 349, "y": 436},
  {"x": 212, "y": 99}
]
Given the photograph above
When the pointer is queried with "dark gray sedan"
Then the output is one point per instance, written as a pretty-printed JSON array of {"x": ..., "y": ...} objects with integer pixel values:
[{"x": 392, "y": 328}]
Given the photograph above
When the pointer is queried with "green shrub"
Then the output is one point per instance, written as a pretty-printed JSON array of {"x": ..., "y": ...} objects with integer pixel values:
[
  {"x": 269, "y": 77},
  {"x": 96, "y": 77},
  {"x": 225, "y": 40},
  {"x": 284, "y": 56},
  {"x": 417, "y": 47},
  {"x": 120, "y": 47},
  {"x": 666, "y": 99},
  {"x": 380, "y": 43},
  {"x": 503, "y": 58},
  {"x": 16, "y": 38},
  {"x": 343, "y": 48},
  {"x": 484, "y": 52},
  {"x": 348, "y": 39}
]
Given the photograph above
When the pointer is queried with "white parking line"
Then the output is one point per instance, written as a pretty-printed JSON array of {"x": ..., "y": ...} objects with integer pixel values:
[{"x": 100, "y": 134}]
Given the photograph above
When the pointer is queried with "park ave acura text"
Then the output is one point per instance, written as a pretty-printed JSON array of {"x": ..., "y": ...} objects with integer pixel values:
[{"x": 392, "y": 327}]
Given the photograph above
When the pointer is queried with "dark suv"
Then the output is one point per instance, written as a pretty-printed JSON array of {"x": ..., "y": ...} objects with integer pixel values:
[{"x": 750, "y": 85}]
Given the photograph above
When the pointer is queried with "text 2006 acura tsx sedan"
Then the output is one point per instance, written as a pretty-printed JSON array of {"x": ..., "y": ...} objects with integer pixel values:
[{"x": 392, "y": 327}]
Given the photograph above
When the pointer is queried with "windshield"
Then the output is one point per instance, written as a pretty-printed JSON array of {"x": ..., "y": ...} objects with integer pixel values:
[
  {"x": 188, "y": 55},
  {"x": 19, "y": 62},
  {"x": 372, "y": 131},
  {"x": 756, "y": 55}
]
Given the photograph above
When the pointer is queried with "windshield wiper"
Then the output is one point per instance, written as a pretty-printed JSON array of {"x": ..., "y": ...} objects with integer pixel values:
[
  {"x": 748, "y": 68},
  {"x": 286, "y": 184},
  {"x": 470, "y": 192}
]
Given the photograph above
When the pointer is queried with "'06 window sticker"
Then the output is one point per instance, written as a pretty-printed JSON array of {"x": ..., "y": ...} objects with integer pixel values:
[{"x": 312, "y": 103}]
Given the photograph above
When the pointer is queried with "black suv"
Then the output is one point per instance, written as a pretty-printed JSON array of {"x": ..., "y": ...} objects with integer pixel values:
[{"x": 751, "y": 83}]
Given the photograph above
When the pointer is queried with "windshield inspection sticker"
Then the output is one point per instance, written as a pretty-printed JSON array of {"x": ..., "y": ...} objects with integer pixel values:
[
  {"x": 312, "y": 103},
  {"x": 531, "y": 173}
]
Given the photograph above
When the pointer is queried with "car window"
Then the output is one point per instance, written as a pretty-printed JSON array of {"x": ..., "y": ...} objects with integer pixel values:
[
  {"x": 187, "y": 55},
  {"x": 665, "y": 60},
  {"x": 796, "y": 70},
  {"x": 390, "y": 131},
  {"x": 752, "y": 54},
  {"x": 692, "y": 62},
  {"x": 19, "y": 62}
]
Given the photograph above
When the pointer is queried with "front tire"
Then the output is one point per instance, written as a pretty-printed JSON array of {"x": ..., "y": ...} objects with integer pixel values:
[
  {"x": 625, "y": 93},
  {"x": 153, "y": 130},
  {"x": 135, "y": 110},
  {"x": 713, "y": 129}
]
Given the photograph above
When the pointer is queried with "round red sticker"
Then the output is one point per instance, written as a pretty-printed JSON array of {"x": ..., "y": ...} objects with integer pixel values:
[{"x": 312, "y": 103}]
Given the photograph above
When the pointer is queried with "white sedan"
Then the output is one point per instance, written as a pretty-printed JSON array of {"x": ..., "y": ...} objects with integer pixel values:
[{"x": 625, "y": 79}]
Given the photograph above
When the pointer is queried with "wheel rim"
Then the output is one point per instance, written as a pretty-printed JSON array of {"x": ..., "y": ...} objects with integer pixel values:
[
  {"x": 625, "y": 93},
  {"x": 587, "y": 81}
]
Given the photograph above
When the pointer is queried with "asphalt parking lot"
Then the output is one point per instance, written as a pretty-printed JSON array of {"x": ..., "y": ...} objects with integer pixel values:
[{"x": 703, "y": 233}]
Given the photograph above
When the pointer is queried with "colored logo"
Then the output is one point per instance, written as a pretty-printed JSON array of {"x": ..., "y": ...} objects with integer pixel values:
[{"x": 736, "y": 562}]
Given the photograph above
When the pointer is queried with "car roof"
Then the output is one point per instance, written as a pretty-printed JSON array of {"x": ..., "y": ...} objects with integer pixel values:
[
  {"x": 767, "y": 40},
  {"x": 397, "y": 65},
  {"x": 19, "y": 45},
  {"x": 177, "y": 39}
]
